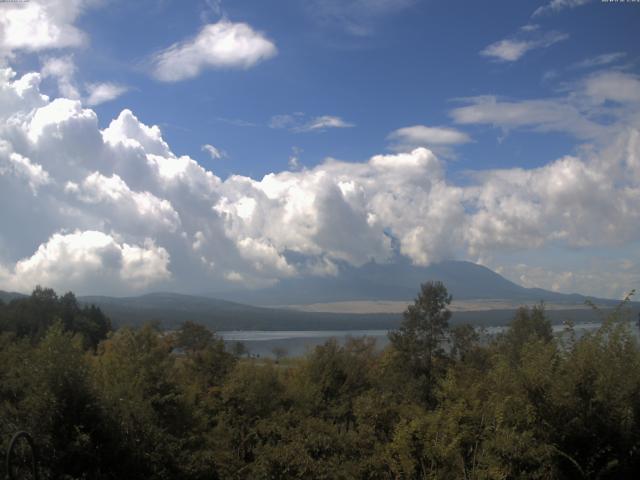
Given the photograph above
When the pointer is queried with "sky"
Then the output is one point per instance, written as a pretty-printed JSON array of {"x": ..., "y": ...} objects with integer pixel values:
[{"x": 211, "y": 145}]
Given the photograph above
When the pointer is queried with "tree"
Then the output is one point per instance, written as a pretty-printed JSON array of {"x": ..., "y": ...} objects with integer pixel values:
[
  {"x": 527, "y": 325},
  {"x": 193, "y": 337},
  {"x": 32, "y": 316},
  {"x": 133, "y": 375},
  {"x": 50, "y": 396},
  {"x": 418, "y": 341},
  {"x": 463, "y": 340}
]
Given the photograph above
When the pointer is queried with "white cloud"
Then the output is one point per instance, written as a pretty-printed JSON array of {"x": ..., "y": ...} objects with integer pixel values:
[
  {"x": 214, "y": 152},
  {"x": 63, "y": 69},
  {"x": 71, "y": 261},
  {"x": 507, "y": 50},
  {"x": 583, "y": 112},
  {"x": 614, "y": 86},
  {"x": 129, "y": 131},
  {"x": 324, "y": 122},
  {"x": 12, "y": 163},
  {"x": 108, "y": 208},
  {"x": 555, "y": 6},
  {"x": 531, "y": 27},
  {"x": 42, "y": 24},
  {"x": 408, "y": 138},
  {"x": 572, "y": 201},
  {"x": 600, "y": 60},
  {"x": 119, "y": 202},
  {"x": 545, "y": 115},
  {"x": 608, "y": 279},
  {"x": 218, "y": 45},
  {"x": 103, "y": 92},
  {"x": 294, "y": 158},
  {"x": 61, "y": 114},
  {"x": 512, "y": 49},
  {"x": 342, "y": 210},
  {"x": 299, "y": 123}
]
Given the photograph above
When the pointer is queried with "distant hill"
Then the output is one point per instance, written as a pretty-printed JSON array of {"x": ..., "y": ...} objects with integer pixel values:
[
  {"x": 171, "y": 309},
  {"x": 6, "y": 297},
  {"x": 399, "y": 281},
  {"x": 372, "y": 282}
]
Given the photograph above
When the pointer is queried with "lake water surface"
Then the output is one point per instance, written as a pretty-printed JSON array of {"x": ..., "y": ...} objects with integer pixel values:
[{"x": 297, "y": 343}]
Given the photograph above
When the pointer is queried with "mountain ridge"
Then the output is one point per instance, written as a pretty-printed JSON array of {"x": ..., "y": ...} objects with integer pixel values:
[
  {"x": 399, "y": 281},
  {"x": 265, "y": 310}
]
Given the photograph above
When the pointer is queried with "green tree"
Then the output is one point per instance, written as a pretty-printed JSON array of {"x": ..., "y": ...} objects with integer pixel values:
[
  {"x": 193, "y": 336},
  {"x": 419, "y": 339},
  {"x": 464, "y": 339},
  {"x": 527, "y": 325},
  {"x": 46, "y": 390},
  {"x": 30, "y": 317},
  {"x": 134, "y": 376}
]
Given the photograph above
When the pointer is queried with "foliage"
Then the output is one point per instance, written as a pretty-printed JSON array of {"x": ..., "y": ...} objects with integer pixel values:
[
  {"x": 32, "y": 316},
  {"x": 437, "y": 403},
  {"x": 419, "y": 340}
]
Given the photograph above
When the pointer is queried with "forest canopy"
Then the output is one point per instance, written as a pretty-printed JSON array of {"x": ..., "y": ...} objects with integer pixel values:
[{"x": 437, "y": 402}]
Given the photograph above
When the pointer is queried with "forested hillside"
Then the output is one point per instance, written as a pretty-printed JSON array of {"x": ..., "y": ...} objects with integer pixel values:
[{"x": 436, "y": 403}]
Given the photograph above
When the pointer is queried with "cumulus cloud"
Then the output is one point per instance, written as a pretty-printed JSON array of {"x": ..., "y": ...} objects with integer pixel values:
[
  {"x": 118, "y": 201},
  {"x": 14, "y": 164},
  {"x": 219, "y": 45},
  {"x": 571, "y": 201},
  {"x": 512, "y": 49},
  {"x": 42, "y": 25},
  {"x": 345, "y": 211},
  {"x": 115, "y": 209},
  {"x": 75, "y": 259}
]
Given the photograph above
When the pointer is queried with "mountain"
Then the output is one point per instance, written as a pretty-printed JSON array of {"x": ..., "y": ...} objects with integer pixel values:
[
  {"x": 372, "y": 282},
  {"x": 171, "y": 309},
  {"x": 399, "y": 281},
  {"x": 6, "y": 297}
]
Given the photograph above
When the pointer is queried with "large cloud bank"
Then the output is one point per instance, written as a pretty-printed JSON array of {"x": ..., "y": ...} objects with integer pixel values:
[{"x": 116, "y": 210}]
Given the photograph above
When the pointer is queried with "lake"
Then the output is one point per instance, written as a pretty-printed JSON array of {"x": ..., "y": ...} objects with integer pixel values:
[{"x": 297, "y": 343}]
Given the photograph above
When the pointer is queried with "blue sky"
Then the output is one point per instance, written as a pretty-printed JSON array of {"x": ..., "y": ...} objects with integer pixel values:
[
  {"x": 520, "y": 105},
  {"x": 408, "y": 67}
]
